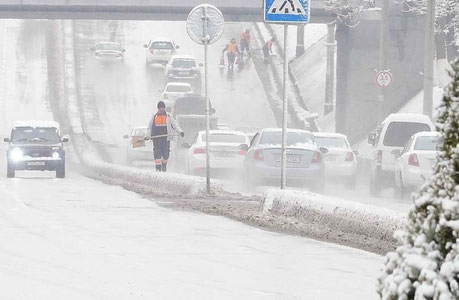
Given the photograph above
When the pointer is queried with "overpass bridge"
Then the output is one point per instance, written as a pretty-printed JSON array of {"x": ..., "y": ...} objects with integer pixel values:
[{"x": 174, "y": 10}]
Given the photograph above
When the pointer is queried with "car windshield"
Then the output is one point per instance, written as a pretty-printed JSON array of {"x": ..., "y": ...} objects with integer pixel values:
[
  {"x": 331, "y": 142},
  {"x": 225, "y": 138},
  {"x": 107, "y": 46},
  {"x": 183, "y": 63},
  {"x": 190, "y": 106},
  {"x": 35, "y": 135},
  {"x": 178, "y": 88},
  {"x": 162, "y": 46},
  {"x": 398, "y": 133},
  {"x": 426, "y": 143},
  {"x": 140, "y": 132},
  {"x": 293, "y": 138}
]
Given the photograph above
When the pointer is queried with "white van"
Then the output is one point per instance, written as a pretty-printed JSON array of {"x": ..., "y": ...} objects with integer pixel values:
[{"x": 392, "y": 134}]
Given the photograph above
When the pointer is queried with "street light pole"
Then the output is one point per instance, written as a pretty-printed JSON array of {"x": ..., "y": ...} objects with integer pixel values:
[{"x": 429, "y": 57}]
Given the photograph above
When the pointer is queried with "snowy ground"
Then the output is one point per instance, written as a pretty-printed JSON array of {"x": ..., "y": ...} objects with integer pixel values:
[{"x": 80, "y": 239}]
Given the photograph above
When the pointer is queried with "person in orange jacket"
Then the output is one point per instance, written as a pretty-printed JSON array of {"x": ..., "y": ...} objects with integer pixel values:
[
  {"x": 267, "y": 49},
  {"x": 246, "y": 38},
  {"x": 232, "y": 50}
]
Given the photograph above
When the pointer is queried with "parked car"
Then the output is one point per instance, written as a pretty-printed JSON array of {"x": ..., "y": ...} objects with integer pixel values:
[
  {"x": 173, "y": 90},
  {"x": 304, "y": 159},
  {"x": 35, "y": 145},
  {"x": 392, "y": 134},
  {"x": 414, "y": 164},
  {"x": 224, "y": 151},
  {"x": 138, "y": 149},
  {"x": 184, "y": 68},
  {"x": 340, "y": 160},
  {"x": 108, "y": 51},
  {"x": 160, "y": 51}
]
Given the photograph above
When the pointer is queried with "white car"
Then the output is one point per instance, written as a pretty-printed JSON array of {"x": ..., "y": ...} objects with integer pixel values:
[
  {"x": 416, "y": 161},
  {"x": 160, "y": 51},
  {"x": 340, "y": 160},
  {"x": 392, "y": 134},
  {"x": 138, "y": 149},
  {"x": 173, "y": 90},
  {"x": 224, "y": 151},
  {"x": 108, "y": 51}
]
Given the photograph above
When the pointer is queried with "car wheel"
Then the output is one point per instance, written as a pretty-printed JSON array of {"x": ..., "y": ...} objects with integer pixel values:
[
  {"x": 10, "y": 171},
  {"x": 60, "y": 170},
  {"x": 351, "y": 182}
]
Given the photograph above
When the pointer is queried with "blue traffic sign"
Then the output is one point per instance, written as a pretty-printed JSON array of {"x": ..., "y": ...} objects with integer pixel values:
[{"x": 286, "y": 11}]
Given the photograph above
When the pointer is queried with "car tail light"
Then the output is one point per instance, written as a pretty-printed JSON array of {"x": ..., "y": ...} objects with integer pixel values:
[
  {"x": 152, "y": 51},
  {"x": 199, "y": 151},
  {"x": 379, "y": 156},
  {"x": 258, "y": 155},
  {"x": 413, "y": 160},
  {"x": 350, "y": 156},
  {"x": 317, "y": 158},
  {"x": 242, "y": 152}
]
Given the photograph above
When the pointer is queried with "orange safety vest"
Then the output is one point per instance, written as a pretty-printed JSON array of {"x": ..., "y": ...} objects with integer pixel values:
[
  {"x": 160, "y": 120},
  {"x": 232, "y": 48}
]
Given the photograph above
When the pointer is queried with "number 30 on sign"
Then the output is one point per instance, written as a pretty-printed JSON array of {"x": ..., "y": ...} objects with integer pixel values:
[{"x": 384, "y": 78}]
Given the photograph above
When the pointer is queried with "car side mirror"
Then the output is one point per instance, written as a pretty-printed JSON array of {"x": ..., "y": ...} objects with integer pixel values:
[
  {"x": 124, "y": 50},
  {"x": 371, "y": 138},
  {"x": 324, "y": 150},
  {"x": 243, "y": 147},
  {"x": 145, "y": 45},
  {"x": 6, "y": 140},
  {"x": 125, "y": 136},
  {"x": 356, "y": 152},
  {"x": 212, "y": 111},
  {"x": 92, "y": 49},
  {"x": 201, "y": 64},
  {"x": 396, "y": 152},
  {"x": 186, "y": 145},
  {"x": 177, "y": 47}
]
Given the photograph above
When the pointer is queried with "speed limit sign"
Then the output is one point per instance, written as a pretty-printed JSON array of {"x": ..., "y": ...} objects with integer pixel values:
[{"x": 383, "y": 78}]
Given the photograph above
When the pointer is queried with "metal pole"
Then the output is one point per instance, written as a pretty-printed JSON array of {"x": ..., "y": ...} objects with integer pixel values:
[
  {"x": 284, "y": 120},
  {"x": 206, "y": 43},
  {"x": 300, "y": 40},
  {"x": 429, "y": 57},
  {"x": 330, "y": 76},
  {"x": 382, "y": 57}
]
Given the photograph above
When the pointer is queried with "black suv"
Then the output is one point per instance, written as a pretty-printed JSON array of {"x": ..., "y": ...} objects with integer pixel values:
[{"x": 36, "y": 146}]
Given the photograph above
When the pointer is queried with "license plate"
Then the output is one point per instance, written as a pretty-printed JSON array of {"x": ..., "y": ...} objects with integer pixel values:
[
  {"x": 330, "y": 157},
  {"x": 184, "y": 73},
  {"x": 36, "y": 163},
  {"x": 222, "y": 154},
  {"x": 290, "y": 159}
]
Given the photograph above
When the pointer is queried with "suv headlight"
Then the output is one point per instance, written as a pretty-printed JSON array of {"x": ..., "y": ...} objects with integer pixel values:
[
  {"x": 16, "y": 154},
  {"x": 56, "y": 155}
]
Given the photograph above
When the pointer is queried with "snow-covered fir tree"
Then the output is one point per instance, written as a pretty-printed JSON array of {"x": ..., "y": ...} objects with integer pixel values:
[
  {"x": 426, "y": 262},
  {"x": 348, "y": 11}
]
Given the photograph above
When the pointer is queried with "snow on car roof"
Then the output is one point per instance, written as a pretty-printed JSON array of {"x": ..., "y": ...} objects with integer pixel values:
[
  {"x": 223, "y": 131},
  {"x": 181, "y": 56},
  {"x": 408, "y": 118},
  {"x": 427, "y": 133},
  {"x": 161, "y": 39},
  {"x": 288, "y": 130},
  {"x": 109, "y": 43},
  {"x": 35, "y": 124},
  {"x": 140, "y": 127},
  {"x": 329, "y": 134},
  {"x": 177, "y": 83}
]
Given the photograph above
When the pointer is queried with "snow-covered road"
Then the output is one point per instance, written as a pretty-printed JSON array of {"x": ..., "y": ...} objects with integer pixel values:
[{"x": 77, "y": 238}]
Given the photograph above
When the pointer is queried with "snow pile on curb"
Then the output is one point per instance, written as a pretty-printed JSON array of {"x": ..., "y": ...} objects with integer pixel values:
[
  {"x": 345, "y": 216},
  {"x": 164, "y": 183}
]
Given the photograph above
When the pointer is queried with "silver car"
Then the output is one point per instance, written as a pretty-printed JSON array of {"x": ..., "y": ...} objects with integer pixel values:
[{"x": 304, "y": 159}]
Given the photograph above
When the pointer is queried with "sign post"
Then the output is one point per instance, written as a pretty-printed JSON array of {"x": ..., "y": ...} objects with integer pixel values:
[
  {"x": 205, "y": 25},
  {"x": 285, "y": 12}
]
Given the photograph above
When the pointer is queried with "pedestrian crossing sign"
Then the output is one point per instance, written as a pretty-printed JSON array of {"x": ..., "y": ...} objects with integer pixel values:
[{"x": 286, "y": 11}]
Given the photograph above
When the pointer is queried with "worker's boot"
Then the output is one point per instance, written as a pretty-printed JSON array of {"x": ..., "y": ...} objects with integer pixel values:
[
  {"x": 158, "y": 168},
  {"x": 164, "y": 168}
]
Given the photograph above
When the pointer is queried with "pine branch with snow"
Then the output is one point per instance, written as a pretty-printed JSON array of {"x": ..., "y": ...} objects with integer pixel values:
[
  {"x": 348, "y": 11},
  {"x": 426, "y": 262}
]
